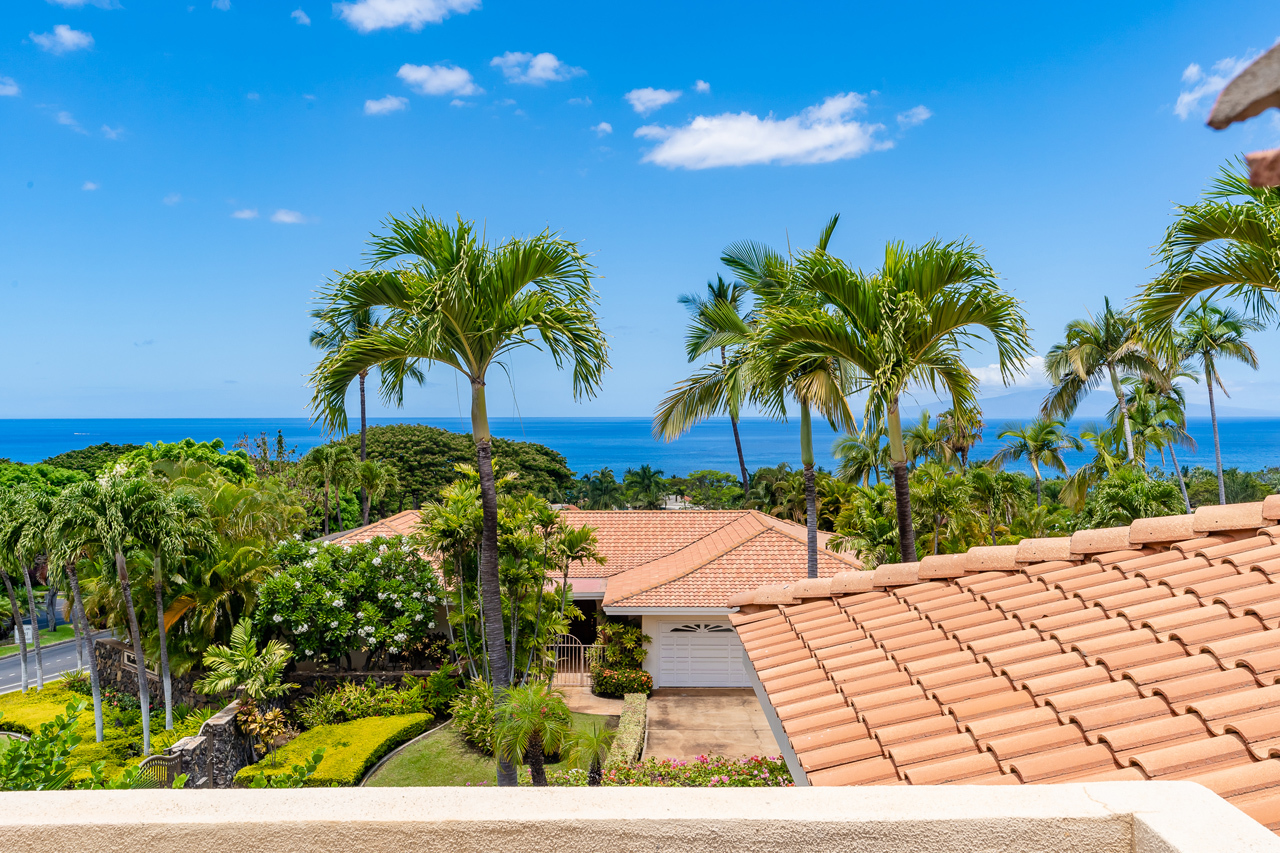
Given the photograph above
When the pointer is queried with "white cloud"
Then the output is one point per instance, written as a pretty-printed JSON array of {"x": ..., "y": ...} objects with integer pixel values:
[
  {"x": 458, "y": 102},
  {"x": 66, "y": 119},
  {"x": 9, "y": 88},
  {"x": 222, "y": 5},
  {"x": 112, "y": 132},
  {"x": 382, "y": 106},
  {"x": 603, "y": 128},
  {"x": 702, "y": 87},
  {"x": 301, "y": 17},
  {"x": 246, "y": 213},
  {"x": 172, "y": 198},
  {"x": 819, "y": 134},
  {"x": 579, "y": 102},
  {"x": 536, "y": 69},
  {"x": 438, "y": 80},
  {"x": 645, "y": 101},
  {"x": 78, "y": 4},
  {"x": 1199, "y": 86},
  {"x": 288, "y": 217},
  {"x": 63, "y": 39},
  {"x": 254, "y": 96},
  {"x": 89, "y": 186},
  {"x": 914, "y": 116},
  {"x": 369, "y": 15},
  {"x": 1033, "y": 377}
]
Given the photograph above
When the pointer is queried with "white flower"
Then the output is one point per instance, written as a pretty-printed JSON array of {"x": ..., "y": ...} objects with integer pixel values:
[
  {"x": 417, "y": 594},
  {"x": 431, "y": 598},
  {"x": 333, "y": 624},
  {"x": 382, "y": 549},
  {"x": 361, "y": 615},
  {"x": 431, "y": 624},
  {"x": 337, "y": 602},
  {"x": 312, "y": 551},
  {"x": 277, "y": 618},
  {"x": 381, "y": 596},
  {"x": 303, "y": 627},
  {"x": 392, "y": 649},
  {"x": 297, "y": 584},
  {"x": 400, "y": 638},
  {"x": 309, "y": 653},
  {"x": 377, "y": 561},
  {"x": 417, "y": 617},
  {"x": 297, "y": 537},
  {"x": 399, "y": 577}
]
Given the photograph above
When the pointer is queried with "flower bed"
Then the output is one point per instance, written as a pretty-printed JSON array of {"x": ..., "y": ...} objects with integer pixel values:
[
  {"x": 617, "y": 683},
  {"x": 702, "y": 772},
  {"x": 350, "y": 749}
]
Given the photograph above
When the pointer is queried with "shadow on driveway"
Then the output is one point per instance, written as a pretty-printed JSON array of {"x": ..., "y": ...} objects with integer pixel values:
[{"x": 687, "y": 722}]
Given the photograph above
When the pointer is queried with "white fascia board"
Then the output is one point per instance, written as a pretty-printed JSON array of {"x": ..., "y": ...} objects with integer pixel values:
[{"x": 667, "y": 611}]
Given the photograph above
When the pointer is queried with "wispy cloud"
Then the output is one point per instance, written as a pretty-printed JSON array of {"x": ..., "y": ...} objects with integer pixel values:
[
  {"x": 66, "y": 119},
  {"x": 646, "y": 100},
  {"x": 366, "y": 16},
  {"x": 88, "y": 186},
  {"x": 702, "y": 87},
  {"x": 438, "y": 80},
  {"x": 222, "y": 5},
  {"x": 79, "y": 4},
  {"x": 172, "y": 198},
  {"x": 382, "y": 106},
  {"x": 534, "y": 69},
  {"x": 818, "y": 134},
  {"x": 1199, "y": 86},
  {"x": 288, "y": 217},
  {"x": 579, "y": 102},
  {"x": 301, "y": 17},
  {"x": 112, "y": 132},
  {"x": 63, "y": 39},
  {"x": 914, "y": 117},
  {"x": 246, "y": 213},
  {"x": 603, "y": 128},
  {"x": 1032, "y": 377},
  {"x": 9, "y": 88}
]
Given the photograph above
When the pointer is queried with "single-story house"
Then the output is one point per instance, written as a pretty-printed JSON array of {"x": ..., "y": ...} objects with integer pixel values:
[
  {"x": 671, "y": 572},
  {"x": 1148, "y": 651}
]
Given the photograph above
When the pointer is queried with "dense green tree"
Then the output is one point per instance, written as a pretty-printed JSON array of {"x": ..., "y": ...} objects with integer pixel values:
[
  {"x": 709, "y": 489},
  {"x": 234, "y": 465},
  {"x": 47, "y": 478},
  {"x": 861, "y": 453},
  {"x": 1128, "y": 494},
  {"x": 331, "y": 467},
  {"x": 91, "y": 460},
  {"x": 646, "y": 488}
]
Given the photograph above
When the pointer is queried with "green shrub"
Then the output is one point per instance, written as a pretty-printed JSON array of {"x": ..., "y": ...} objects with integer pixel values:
[
  {"x": 350, "y": 749},
  {"x": 623, "y": 645},
  {"x": 702, "y": 772},
  {"x": 628, "y": 741},
  {"x": 352, "y": 701},
  {"x": 473, "y": 715},
  {"x": 616, "y": 683},
  {"x": 77, "y": 681}
]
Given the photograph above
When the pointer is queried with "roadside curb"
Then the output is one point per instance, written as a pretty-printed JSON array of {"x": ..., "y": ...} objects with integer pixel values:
[
  {"x": 44, "y": 647},
  {"x": 393, "y": 753}
]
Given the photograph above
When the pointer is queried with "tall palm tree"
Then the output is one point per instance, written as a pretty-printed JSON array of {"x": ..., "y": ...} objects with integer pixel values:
[
  {"x": 332, "y": 466},
  {"x": 1227, "y": 243},
  {"x": 942, "y": 494},
  {"x": 104, "y": 516},
  {"x": 905, "y": 324},
  {"x": 960, "y": 429},
  {"x": 17, "y": 624},
  {"x": 861, "y": 453},
  {"x": 1041, "y": 443},
  {"x": 1108, "y": 347},
  {"x": 376, "y": 479},
  {"x": 923, "y": 441},
  {"x": 454, "y": 300},
  {"x": 818, "y": 382},
  {"x": 1210, "y": 333},
  {"x": 24, "y": 536},
  {"x": 718, "y": 322},
  {"x": 1161, "y": 421}
]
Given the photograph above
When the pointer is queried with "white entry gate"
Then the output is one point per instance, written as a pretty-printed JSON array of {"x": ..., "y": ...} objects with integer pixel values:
[{"x": 573, "y": 661}]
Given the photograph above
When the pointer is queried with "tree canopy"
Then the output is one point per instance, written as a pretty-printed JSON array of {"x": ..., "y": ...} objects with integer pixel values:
[{"x": 91, "y": 460}]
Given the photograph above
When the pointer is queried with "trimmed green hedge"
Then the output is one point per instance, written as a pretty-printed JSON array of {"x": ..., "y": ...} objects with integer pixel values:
[
  {"x": 615, "y": 683},
  {"x": 629, "y": 740},
  {"x": 350, "y": 749}
]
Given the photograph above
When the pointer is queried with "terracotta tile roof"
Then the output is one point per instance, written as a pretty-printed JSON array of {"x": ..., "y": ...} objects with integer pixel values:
[
  {"x": 1143, "y": 652},
  {"x": 400, "y": 524}
]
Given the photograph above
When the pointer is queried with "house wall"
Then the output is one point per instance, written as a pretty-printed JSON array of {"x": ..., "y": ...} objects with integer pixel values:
[{"x": 649, "y": 624}]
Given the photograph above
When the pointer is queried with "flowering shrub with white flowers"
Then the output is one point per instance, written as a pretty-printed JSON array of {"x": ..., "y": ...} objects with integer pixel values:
[{"x": 327, "y": 600}]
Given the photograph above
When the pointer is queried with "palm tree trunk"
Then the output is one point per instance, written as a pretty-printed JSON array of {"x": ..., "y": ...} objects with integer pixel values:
[
  {"x": 537, "y": 623},
  {"x": 596, "y": 774},
  {"x": 1182, "y": 484},
  {"x": 1124, "y": 412},
  {"x": 337, "y": 504},
  {"x": 77, "y": 612},
  {"x": 364, "y": 496},
  {"x": 937, "y": 523},
  {"x": 810, "y": 490},
  {"x": 144, "y": 690},
  {"x": 164, "y": 645},
  {"x": 462, "y": 607},
  {"x": 901, "y": 486},
  {"x": 18, "y": 631},
  {"x": 1217, "y": 444},
  {"x": 326, "y": 506},
  {"x": 35, "y": 627},
  {"x": 490, "y": 586},
  {"x": 737, "y": 439},
  {"x": 537, "y": 762},
  {"x": 1038, "y": 488},
  {"x": 991, "y": 521}
]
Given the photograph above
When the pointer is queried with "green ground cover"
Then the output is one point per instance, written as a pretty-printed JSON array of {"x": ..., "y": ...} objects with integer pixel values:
[
  {"x": 350, "y": 748},
  {"x": 443, "y": 759},
  {"x": 62, "y": 632}
]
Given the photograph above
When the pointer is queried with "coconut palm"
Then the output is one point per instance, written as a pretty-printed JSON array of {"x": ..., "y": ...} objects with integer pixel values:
[
  {"x": 818, "y": 382},
  {"x": 1108, "y": 347},
  {"x": 646, "y": 486},
  {"x": 718, "y": 323},
  {"x": 1041, "y": 443},
  {"x": 532, "y": 720},
  {"x": 330, "y": 466},
  {"x": 960, "y": 429},
  {"x": 1209, "y": 334},
  {"x": 453, "y": 300},
  {"x": 1107, "y": 443},
  {"x": 905, "y": 324},
  {"x": 588, "y": 749},
  {"x": 1160, "y": 420},
  {"x": 1227, "y": 243},
  {"x": 376, "y": 479},
  {"x": 997, "y": 494}
]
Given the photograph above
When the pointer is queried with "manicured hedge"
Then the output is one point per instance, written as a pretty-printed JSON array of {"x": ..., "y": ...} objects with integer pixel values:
[
  {"x": 615, "y": 683},
  {"x": 629, "y": 739},
  {"x": 350, "y": 749}
]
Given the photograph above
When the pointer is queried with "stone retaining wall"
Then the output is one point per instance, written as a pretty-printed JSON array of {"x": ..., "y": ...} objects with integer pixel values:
[{"x": 115, "y": 672}]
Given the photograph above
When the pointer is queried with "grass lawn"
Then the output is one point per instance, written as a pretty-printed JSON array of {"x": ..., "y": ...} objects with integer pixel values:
[
  {"x": 62, "y": 632},
  {"x": 444, "y": 759}
]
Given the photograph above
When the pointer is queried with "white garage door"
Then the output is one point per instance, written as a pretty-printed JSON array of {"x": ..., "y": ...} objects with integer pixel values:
[{"x": 701, "y": 653}]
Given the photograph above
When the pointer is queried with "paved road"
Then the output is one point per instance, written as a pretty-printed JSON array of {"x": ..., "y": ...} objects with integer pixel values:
[{"x": 56, "y": 660}]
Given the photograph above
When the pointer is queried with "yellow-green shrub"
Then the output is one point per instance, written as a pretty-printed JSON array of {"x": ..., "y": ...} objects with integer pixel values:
[{"x": 350, "y": 749}]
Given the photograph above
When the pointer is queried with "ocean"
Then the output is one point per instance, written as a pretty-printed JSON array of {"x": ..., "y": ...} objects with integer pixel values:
[{"x": 592, "y": 443}]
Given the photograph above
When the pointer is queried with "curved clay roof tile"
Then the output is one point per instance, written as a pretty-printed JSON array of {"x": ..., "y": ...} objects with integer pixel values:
[
  {"x": 1043, "y": 550},
  {"x": 851, "y": 582},
  {"x": 1230, "y": 517},
  {"x": 1100, "y": 541},
  {"x": 1170, "y": 528}
]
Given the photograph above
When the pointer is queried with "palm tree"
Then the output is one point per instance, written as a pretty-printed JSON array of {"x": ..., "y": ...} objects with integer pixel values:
[
  {"x": 376, "y": 479},
  {"x": 813, "y": 382},
  {"x": 18, "y": 630},
  {"x": 922, "y": 440},
  {"x": 960, "y": 429},
  {"x": 24, "y": 536},
  {"x": 1108, "y": 458},
  {"x": 646, "y": 485},
  {"x": 1109, "y": 347},
  {"x": 1160, "y": 420},
  {"x": 905, "y": 324},
  {"x": 861, "y": 453},
  {"x": 996, "y": 492},
  {"x": 1041, "y": 442},
  {"x": 103, "y": 516},
  {"x": 601, "y": 490},
  {"x": 718, "y": 323},
  {"x": 456, "y": 301},
  {"x": 942, "y": 495},
  {"x": 589, "y": 750},
  {"x": 1228, "y": 243},
  {"x": 532, "y": 719},
  {"x": 1210, "y": 333},
  {"x": 240, "y": 665},
  {"x": 331, "y": 466}
]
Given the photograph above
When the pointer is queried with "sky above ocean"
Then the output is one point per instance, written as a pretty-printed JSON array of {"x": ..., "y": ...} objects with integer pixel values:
[{"x": 176, "y": 179}]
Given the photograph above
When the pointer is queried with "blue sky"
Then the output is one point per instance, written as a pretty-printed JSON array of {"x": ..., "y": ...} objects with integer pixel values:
[{"x": 176, "y": 180}]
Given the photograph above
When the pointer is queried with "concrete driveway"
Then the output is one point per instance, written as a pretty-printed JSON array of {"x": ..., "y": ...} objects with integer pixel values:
[{"x": 687, "y": 722}]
